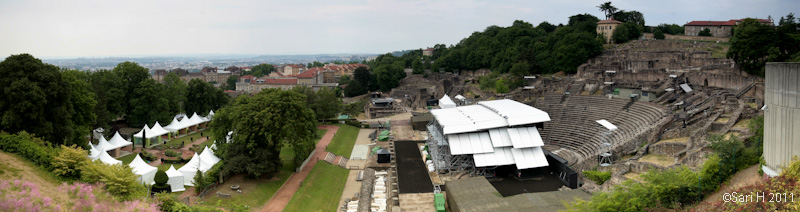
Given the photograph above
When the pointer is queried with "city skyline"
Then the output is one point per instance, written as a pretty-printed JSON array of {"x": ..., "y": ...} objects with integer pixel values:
[{"x": 151, "y": 28}]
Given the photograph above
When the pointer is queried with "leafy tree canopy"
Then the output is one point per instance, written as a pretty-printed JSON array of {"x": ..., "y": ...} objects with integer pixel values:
[{"x": 202, "y": 97}]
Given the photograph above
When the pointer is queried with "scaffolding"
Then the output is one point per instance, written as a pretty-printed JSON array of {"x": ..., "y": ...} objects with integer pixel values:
[{"x": 443, "y": 161}]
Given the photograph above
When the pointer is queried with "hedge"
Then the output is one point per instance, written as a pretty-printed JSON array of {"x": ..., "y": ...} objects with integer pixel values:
[{"x": 29, "y": 147}]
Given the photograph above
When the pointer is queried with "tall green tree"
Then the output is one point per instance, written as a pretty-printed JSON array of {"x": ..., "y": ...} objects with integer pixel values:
[
  {"x": 83, "y": 102},
  {"x": 107, "y": 87},
  {"x": 261, "y": 125},
  {"x": 175, "y": 91},
  {"x": 131, "y": 75},
  {"x": 230, "y": 84},
  {"x": 203, "y": 97},
  {"x": 417, "y": 66},
  {"x": 788, "y": 37},
  {"x": 608, "y": 9},
  {"x": 575, "y": 49},
  {"x": 149, "y": 104},
  {"x": 262, "y": 69},
  {"x": 630, "y": 17},
  {"x": 35, "y": 98},
  {"x": 752, "y": 45},
  {"x": 324, "y": 102}
]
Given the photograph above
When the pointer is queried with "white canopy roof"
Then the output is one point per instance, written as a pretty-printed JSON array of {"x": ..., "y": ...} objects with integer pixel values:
[
  {"x": 158, "y": 130},
  {"x": 118, "y": 142},
  {"x": 525, "y": 137},
  {"x": 189, "y": 170},
  {"x": 208, "y": 155},
  {"x": 175, "y": 125},
  {"x": 93, "y": 152},
  {"x": 529, "y": 157},
  {"x": 196, "y": 119},
  {"x": 446, "y": 102},
  {"x": 107, "y": 159},
  {"x": 500, "y": 137},
  {"x": 209, "y": 116},
  {"x": 460, "y": 97},
  {"x": 146, "y": 130},
  {"x": 175, "y": 179},
  {"x": 104, "y": 145},
  {"x": 146, "y": 172},
  {"x": 607, "y": 125},
  {"x": 501, "y": 156},
  {"x": 487, "y": 115},
  {"x": 470, "y": 143}
]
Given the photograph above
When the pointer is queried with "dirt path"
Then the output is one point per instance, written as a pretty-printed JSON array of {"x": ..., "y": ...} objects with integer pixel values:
[
  {"x": 741, "y": 179},
  {"x": 287, "y": 190}
]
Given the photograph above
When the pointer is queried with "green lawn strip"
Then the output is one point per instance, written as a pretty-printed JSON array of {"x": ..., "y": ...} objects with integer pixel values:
[
  {"x": 343, "y": 141},
  {"x": 193, "y": 136},
  {"x": 320, "y": 190},
  {"x": 127, "y": 158}
]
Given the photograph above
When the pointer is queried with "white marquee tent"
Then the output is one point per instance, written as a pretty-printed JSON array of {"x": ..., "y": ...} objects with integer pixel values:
[
  {"x": 107, "y": 159},
  {"x": 175, "y": 179},
  {"x": 189, "y": 170},
  {"x": 174, "y": 126},
  {"x": 145, "y": 172},
  {"x": 158, "y": 130},
  {"x": 104, "y": 145},
  {"x": 118, "y": 142},
  {"x": 208, "y": 158},
  {"x": 145, "y": 132},
  {"x": 446, "y": 102},
  {"x": 93, "y": 152}
]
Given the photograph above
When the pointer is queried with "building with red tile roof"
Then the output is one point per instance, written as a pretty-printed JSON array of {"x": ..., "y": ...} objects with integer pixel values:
[
  {"x": 606, "y": 28},
  {"x": 722, "y": 29}
]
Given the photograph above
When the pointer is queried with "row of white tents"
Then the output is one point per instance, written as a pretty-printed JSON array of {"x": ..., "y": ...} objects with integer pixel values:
[
  {"x": 179, "y": 178},
  {"x": 174, "y": 127}
]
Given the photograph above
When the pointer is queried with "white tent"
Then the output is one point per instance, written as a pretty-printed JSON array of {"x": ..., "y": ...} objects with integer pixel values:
[
  {"x": 190, "y": 169},
  {"x": 207, "y": 159},
  {"x": 174, "y": 126},
  {"x": 460, "y": 97},
  {"x": 107, "y": 159},
  {"x": 175, "y": 179},
  {"x": 93, "y": 152},
  {"x": 196, "y": 119},
  {"x": 103, "y": 145},
  {"x": 446, "y": 102},
  {"x": 158, "y": 130},
  {"x": 145, "y": 171},
  {"x": 146, "y": 130},
  {"x": 209, "y": 116},
  {"x": 118, "y": 142}
]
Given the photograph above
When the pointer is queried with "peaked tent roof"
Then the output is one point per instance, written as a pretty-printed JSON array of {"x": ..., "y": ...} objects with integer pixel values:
[
  {"x": 196, "y": 119},
  {"x": 93, "y": 152},
  {"x": 446, "y": 102},
  {"x": 117, "y": 141},
  {"x": 172, "y": 172},
  {"x": 140, "y": 167},
  {"x": 175, "y": 125},
  {"x": 158, "y": 130},
  {"x": 107, "y": 159},
  {"x": 104, "y": 145},
  {"x": 175, "y": 179},
  {"x": 208, "y": 156},
  {"x": 149, "y": 133},
  {"x": 192, "y": 165}
]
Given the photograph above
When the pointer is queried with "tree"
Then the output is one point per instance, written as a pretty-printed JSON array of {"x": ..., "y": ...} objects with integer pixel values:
[
  {"x": 417, "y": 66},
  {"x": 83, "y": 103},
  {"x": 324, "y": 102},
  {"x": 110, "y": 96},
  {"x": 546, "y": 26},
  {"x": 363, "y": 77},
  {"x": 607, "y": 9},
  {"x": 621, "y": 34},
  {"x": 705, "y": 32},
  {"x": 344, "y": 79},
  {"x": 131, "y": 76},
  {"x": 203, "y": 97},
  {"x": 262, "y": 69},
  {"x": 634, "y": 17},
  {"x": 672, "y": 29},
  {"x": 658, "y": 35},
  {"x": 788, "y": 37},
  {"x": 261, "y": 125},
  {"x": 35, "y": 98},
  {"x": 575, "y": 49},
  {"x": 231, "y": 83},
  {"x": 584, "y": 22},
  {"x": 199, "y": 182},
  {"x": 175, "y": 91},
  {"x": 149, "y": 104},
  {"x": 161, "y": 178},
  {"x": 354, "y": 88},
  {"x": 501, "y": 86},
  {"x": 752, "y": 45}
]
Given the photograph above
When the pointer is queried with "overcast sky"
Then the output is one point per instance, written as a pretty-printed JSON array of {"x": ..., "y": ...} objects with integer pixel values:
[{"x": 49, "y": 29}]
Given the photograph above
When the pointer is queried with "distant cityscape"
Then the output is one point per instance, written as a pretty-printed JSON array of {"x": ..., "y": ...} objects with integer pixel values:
[{"x": 196, "y": 63}]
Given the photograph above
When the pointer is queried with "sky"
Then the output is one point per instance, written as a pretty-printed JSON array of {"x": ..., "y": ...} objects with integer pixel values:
[{"x": 101, "y": 28}]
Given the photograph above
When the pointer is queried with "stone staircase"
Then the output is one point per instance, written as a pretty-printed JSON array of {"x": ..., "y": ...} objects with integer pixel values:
[{"x": 336, "y": 160}]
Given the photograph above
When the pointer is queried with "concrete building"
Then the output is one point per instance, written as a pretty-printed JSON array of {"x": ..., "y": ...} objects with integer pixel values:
[
  {"x": 781, "y": 116},
  {"x": 427, "y": 52},
  {"x": 720, "y": 29},
  {"x": 606, "y": 28}
]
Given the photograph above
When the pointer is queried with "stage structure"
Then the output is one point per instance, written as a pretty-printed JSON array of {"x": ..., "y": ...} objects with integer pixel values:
[{"x": 478, "y": 138}]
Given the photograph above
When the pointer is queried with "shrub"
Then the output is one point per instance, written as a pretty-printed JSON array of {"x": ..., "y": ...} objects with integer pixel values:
[
  {"x": 597, "y": 176},
  {"x": 68, "y": 161},
  {"x": 148, "y": 156},
  {"x": 161, "y": 179},
  {"x": 658, "y": 35},
  {"x": 199, "y": 182},
  {"x": 119, "y": 179},
  {"x": 29, "y": 147},
  {"x": 172, "y": 153},
  {"x": 21, "y": 195}
]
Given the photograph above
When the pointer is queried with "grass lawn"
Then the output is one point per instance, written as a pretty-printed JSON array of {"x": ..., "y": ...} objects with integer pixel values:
[
  {"x": 320, "y": 190},
  {"x": 343, "y": 141},
  {"x": 263, "y": 190},
  {"x": 127, "y": 158},
  {"x": 187, "y": 139}
]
